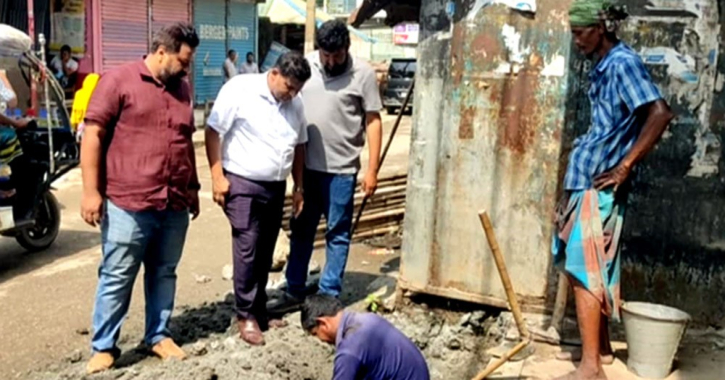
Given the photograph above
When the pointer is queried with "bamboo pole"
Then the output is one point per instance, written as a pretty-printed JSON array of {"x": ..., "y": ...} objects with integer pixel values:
[
  {"x": 498, "y": 363},
  {"x": 503, "y": 272},
  {"x": 310, "y": 27},
  {"x": 510, "y": 294}
]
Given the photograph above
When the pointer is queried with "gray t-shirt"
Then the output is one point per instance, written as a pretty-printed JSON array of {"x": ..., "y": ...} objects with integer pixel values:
[{"x": 335, "y": 108}]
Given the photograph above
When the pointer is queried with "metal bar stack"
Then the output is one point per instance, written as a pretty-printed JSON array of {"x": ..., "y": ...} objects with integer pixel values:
[{"x": 383, "y": 213}]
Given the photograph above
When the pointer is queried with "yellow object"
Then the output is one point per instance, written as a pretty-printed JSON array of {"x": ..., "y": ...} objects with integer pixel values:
[{"x": 81, "y": 100}]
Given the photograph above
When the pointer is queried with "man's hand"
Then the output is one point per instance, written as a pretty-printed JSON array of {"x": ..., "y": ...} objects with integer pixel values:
[
  {"x": 195, "y": 209},
  {"x": 220, "y": 188},
  {"x": 21, "y": 123},
  {"x": 92, "y": 208},
  {"x": 370, "y": 183},
  {"x": 614, "y": 177},
  {"x": 298, "y": 202}
]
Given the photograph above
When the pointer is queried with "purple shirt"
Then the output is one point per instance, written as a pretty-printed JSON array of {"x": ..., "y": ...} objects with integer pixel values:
[
  {"x": 150, "y": 162},
  {"x": 369, "y": 347}
]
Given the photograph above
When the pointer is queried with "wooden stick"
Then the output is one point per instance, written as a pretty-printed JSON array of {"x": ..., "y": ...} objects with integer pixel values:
[
  {"x": 495, "y": 365},
  {"x": 562, "y": 292},
  {"x": 503, "y": 272}
]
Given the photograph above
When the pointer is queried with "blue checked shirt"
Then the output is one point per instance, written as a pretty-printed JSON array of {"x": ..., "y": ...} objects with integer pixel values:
[{"x": 619, "y": 85}]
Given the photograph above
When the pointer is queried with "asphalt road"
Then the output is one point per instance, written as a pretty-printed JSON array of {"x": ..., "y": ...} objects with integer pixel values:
[{"x": 46, "y": 298}]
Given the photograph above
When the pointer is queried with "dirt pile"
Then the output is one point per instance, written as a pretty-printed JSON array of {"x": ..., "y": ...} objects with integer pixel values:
[{"x": 454, "y": 345}]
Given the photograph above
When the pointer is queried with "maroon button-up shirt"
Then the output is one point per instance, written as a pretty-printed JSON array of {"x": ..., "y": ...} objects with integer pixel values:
[{"x": 149, "y": 155}]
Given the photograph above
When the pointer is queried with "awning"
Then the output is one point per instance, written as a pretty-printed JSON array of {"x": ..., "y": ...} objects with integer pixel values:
[
  {"x": 397, "y": 11},
  {"x": 295, "y": 12}
]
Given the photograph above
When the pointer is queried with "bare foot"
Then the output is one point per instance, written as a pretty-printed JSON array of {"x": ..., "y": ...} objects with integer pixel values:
[
  {"x": 576, "y": 356},
  {"x": 583, "y": 374}
]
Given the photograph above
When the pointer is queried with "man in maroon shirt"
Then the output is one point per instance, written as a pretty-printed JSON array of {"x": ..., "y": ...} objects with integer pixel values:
[{"x": 140, "y": 184}]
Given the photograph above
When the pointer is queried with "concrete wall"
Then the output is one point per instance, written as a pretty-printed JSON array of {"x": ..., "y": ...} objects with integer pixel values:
[{"x": 674, "y": 237}]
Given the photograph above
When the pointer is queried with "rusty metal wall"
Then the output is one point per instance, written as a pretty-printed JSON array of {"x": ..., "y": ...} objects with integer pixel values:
[
  {"x": 500, "y": 97},
  {"x": 489, "y": 113}
]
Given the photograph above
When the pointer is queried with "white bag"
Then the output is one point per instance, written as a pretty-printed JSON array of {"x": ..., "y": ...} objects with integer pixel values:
[{"x": 13, "y": 41}]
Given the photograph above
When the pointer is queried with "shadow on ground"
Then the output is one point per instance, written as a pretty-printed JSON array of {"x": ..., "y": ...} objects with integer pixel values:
[{"x": 16, "y": 261}]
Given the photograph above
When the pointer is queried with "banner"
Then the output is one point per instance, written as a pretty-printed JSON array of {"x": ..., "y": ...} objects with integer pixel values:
[
  {"x": 405, "y": 34},
  {"x": 69, "y": 25}
]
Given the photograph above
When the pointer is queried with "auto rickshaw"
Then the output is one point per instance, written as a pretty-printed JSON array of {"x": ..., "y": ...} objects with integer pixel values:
[{"x": 32, "y": 214}]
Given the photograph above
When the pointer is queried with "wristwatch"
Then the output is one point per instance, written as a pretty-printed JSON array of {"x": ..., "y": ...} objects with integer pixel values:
[{"x": 298, "y": 190}]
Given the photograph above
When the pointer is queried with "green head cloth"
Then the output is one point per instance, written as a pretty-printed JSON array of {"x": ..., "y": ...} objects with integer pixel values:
[{"x": 587, "y": 12}]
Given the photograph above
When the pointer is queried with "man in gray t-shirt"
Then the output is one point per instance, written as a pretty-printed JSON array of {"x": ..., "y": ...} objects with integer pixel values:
[{"x": 342, "y": 106}]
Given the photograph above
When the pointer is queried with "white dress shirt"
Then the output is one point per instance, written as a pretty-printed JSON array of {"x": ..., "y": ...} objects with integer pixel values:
[
  {"x": 57, "y": 64},
  {"x": 259, "y": 135}
]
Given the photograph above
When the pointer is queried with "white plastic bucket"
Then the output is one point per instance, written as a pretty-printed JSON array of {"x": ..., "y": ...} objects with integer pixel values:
[
  {"x": 653, "y": 336},
  {"x": 6, "y": 218}
]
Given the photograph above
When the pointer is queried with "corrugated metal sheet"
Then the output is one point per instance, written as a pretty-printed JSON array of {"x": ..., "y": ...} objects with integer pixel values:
[
  {"x": 242, "y": 28},
  {"x": 487, "y": 135},
  {"x": 125, "y": 33},
  {"x": 165, "y": 12},
  {"x": 210, "y": 21}
]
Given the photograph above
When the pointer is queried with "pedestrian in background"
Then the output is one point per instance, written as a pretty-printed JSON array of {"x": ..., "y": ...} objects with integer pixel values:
[
  {"x": 629, "y": 116},
  {"x": 255, "y": 137},
  {"x": 342, "y": 105},
  {"x": 140, "y": 184},
  {"x": 249, "y": 66},
  {"x": 230, "y": 65}
]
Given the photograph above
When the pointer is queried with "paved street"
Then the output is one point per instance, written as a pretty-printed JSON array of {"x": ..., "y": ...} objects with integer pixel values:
[{"x": 47, "y": 297}]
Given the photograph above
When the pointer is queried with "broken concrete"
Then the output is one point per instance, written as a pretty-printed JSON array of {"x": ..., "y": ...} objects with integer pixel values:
[{"x": 453, "y": 351}]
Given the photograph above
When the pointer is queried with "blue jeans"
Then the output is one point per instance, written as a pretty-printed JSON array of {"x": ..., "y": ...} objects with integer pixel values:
[
  {"x": 154, "y": 238},
  {"x": 331, "y": 195}
]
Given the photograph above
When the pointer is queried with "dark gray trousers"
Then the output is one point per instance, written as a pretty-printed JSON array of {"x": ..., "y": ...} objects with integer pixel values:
[{"x": 254, "y": 209}]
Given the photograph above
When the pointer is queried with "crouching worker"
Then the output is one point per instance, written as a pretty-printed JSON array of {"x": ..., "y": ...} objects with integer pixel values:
[{"x": 368, "y": 346}]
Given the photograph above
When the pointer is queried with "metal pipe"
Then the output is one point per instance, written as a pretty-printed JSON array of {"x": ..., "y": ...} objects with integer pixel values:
[
  {"x": 31, "y": 33},
  {"x": 310, "y": 27},
  {"x": 46, "y": 93},
  {"x": 385, "y": 151}
]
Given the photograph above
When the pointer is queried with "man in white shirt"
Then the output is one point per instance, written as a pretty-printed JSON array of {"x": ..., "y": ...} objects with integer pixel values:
[
  {"x": 230, "y": 66},
  {"x": 249, "y": 67},
  {"x": 255, "y": 137},
  {"x": 64, "y": 67}
]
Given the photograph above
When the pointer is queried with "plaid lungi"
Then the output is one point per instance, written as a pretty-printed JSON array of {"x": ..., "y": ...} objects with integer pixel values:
[
  {"x": 587, "y": 243},
  {"x": 9, "y": 145}
]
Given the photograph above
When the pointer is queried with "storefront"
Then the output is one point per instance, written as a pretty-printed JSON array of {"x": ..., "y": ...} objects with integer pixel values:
[
  {"x": 222, "y": 25},
  {"x": 126, "y": 27}
]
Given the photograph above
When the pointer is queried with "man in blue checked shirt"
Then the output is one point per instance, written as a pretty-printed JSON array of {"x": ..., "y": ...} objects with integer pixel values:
[{"x": 629, "y": 116}]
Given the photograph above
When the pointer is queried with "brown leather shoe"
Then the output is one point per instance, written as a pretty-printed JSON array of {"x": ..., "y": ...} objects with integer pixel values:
[
  {"x": 250, "y": 332},
  {"x": 167, "y": 349},
  {"x": 100, "y": 361}
]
